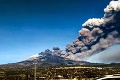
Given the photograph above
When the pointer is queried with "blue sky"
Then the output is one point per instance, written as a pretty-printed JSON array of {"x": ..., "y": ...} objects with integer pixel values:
[{"x": 28, "y": 27}]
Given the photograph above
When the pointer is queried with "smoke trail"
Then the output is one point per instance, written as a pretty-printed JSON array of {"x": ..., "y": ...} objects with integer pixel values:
[
  {"x": 97, "y": 34},
  {"x": 111, "y": 55}
]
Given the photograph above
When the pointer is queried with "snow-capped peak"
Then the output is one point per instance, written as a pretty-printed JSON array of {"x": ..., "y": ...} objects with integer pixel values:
[{"x": 33, "y": 57}]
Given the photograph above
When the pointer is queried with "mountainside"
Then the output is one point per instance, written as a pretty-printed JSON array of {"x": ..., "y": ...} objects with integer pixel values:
[
  {"x": 50, "y": 58},
  {"x": 46, "y": 58}
]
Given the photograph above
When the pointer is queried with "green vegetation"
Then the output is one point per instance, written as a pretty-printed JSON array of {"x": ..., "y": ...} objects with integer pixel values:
[{"x": 53, "y": 72}]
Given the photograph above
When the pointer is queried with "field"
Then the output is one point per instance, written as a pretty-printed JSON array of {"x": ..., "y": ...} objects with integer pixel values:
[{"x": 56, "y": 72}]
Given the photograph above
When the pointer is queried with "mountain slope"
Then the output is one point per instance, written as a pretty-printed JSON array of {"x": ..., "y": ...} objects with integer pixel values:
[{"x": 49, "y": 58}]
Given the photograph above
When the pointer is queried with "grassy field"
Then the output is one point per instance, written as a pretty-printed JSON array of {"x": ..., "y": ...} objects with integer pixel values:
[{"x": 55, "y": 72}]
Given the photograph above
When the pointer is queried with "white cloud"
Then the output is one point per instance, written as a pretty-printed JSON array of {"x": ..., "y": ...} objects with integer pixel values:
[
  {"x": 94, "y": 22},
  {"x": 114, "y": 5}
]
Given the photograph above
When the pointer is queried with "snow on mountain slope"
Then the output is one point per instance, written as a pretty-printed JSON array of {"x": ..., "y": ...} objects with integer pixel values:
[{"x": 34, "y": 57}]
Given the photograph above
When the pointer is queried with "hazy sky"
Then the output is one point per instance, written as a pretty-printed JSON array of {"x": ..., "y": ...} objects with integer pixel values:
[
  {"x": 28, "y": 27},
  {"x": 111, "y": 55}
]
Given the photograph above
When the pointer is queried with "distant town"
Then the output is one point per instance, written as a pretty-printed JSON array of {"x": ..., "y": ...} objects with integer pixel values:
[{"x": 83, "y": 72}]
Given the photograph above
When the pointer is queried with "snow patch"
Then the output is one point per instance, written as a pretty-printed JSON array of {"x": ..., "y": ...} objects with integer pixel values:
[{"x": 33, "y": 57}]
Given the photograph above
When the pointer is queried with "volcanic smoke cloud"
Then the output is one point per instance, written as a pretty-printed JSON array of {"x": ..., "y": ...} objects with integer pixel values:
[
  {"x": 111, "y": 55},
  {"x": 97, "y": 34}
]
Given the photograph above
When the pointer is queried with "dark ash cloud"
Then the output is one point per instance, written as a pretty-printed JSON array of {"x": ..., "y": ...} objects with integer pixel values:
[{"x": 97, "y": 34}]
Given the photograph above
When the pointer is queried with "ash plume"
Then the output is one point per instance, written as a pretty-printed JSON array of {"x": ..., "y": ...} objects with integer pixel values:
[
  {"x": 97, "y": 34},
  {"x": 111, "y": 55}
]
